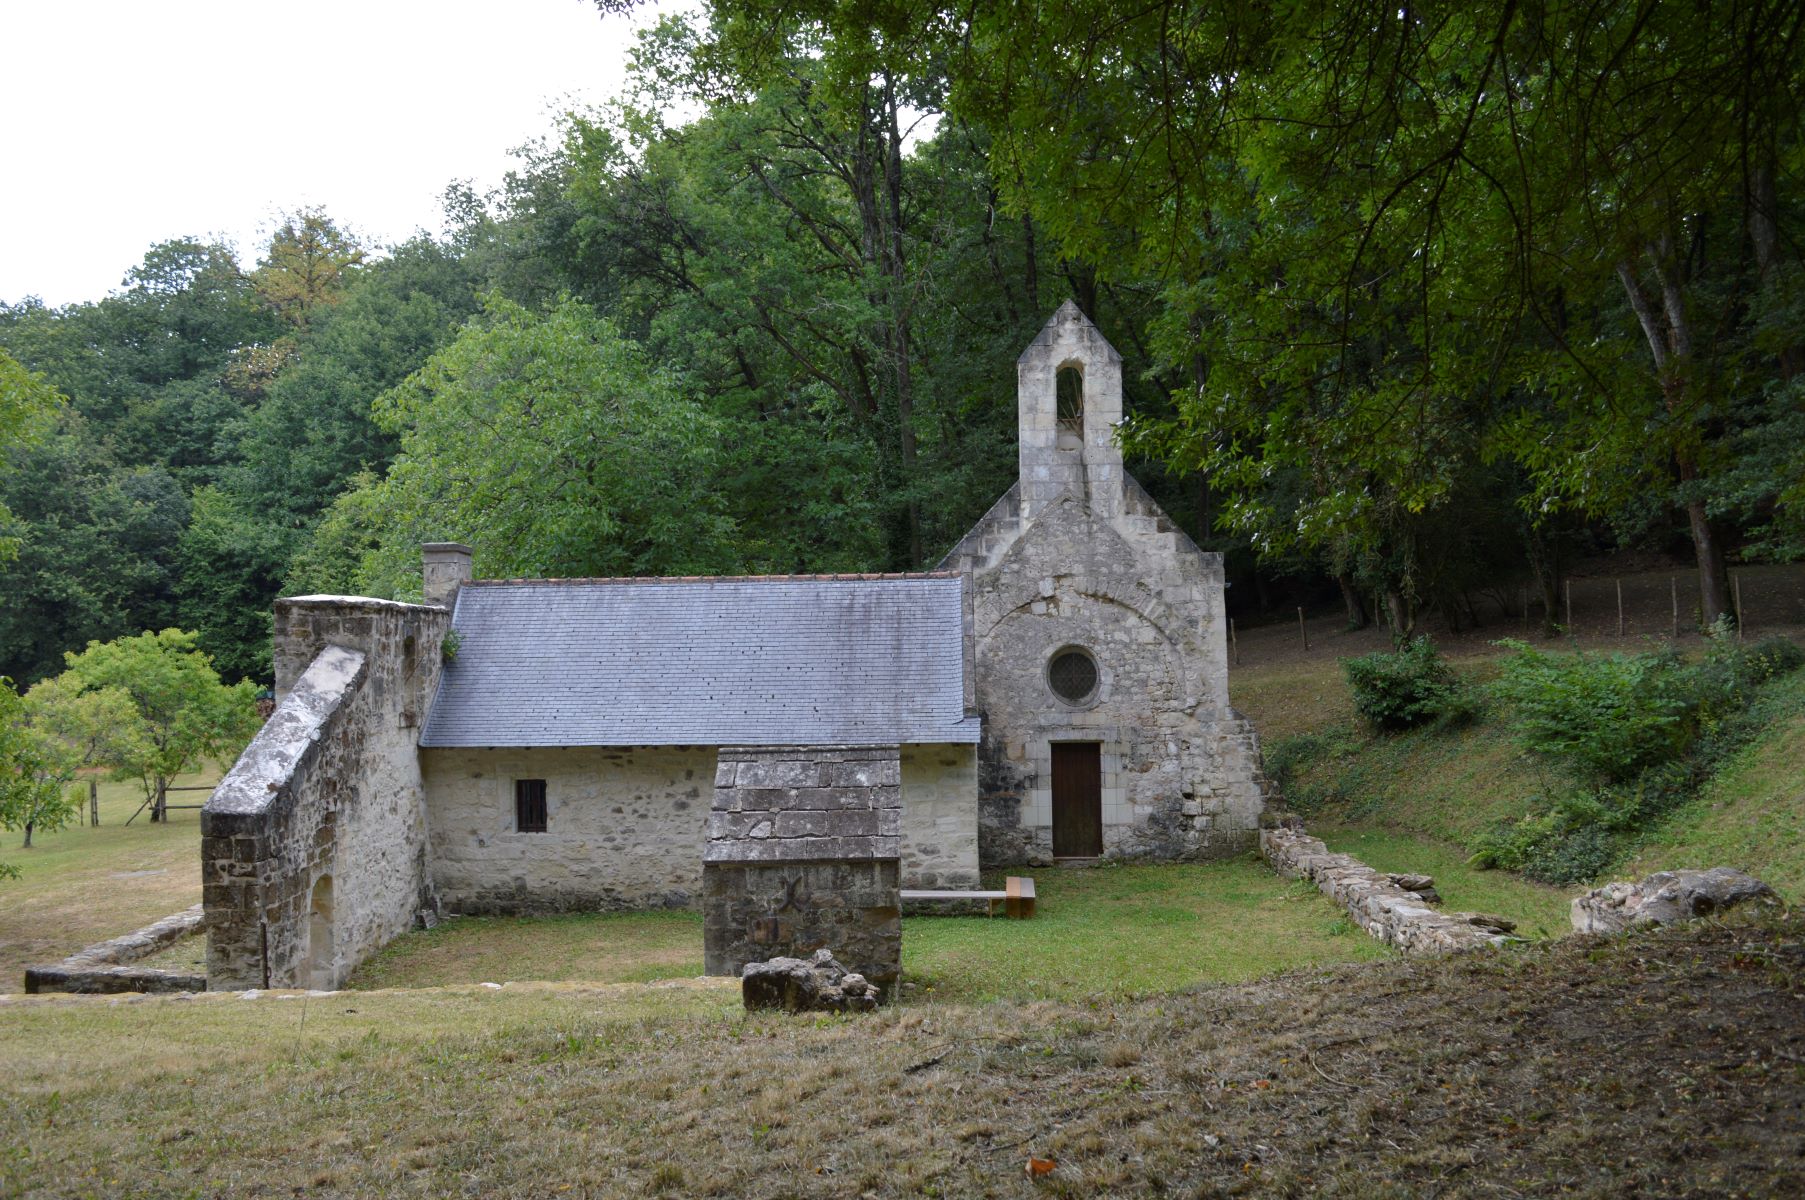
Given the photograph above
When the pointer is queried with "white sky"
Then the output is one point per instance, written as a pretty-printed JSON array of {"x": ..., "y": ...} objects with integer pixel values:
[{"x": 129, "y": 123}]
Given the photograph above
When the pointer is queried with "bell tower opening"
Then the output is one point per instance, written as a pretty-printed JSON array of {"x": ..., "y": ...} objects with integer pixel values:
[{"x": 1069, "y": 406}]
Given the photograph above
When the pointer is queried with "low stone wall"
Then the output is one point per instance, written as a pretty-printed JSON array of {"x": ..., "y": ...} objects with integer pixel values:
[
  {"x": 1379, "y": 902},
  {"x": 802, "y": 856},
  {"x": 106, "y": 966}
]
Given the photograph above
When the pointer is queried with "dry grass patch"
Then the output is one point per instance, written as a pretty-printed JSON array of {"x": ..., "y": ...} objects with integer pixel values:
[
  {"x": 83, "y": 884},
  {"x": 1666, "y": 1064}
]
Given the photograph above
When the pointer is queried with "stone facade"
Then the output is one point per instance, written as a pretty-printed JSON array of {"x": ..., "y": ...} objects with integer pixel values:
[
  {"x": 313, "y": 848},
  {"x": 939, "y": 846},
  {"x": 1076, "y": 557},
  {"x": 802, "y": 856},
  {"x": 625, "y": 828}
]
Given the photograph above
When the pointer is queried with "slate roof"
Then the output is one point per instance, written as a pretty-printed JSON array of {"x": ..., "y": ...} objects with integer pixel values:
[{"x": 774, "y": 660}]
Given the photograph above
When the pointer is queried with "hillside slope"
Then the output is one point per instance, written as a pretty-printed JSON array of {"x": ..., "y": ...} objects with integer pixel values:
[{"x": 1752, "y": 813}]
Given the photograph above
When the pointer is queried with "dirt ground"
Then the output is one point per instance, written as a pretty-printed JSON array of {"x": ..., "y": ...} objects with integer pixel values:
[
  {"x": 1773, "y": 602},
  {"x": 1662, "y": 1065}
]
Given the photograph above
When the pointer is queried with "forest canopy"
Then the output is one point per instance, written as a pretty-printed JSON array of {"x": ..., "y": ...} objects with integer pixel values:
[{"x": 1413, "y": 301}]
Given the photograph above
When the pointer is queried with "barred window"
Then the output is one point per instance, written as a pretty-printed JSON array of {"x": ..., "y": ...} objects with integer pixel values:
[
  {"x": 529, "y": 806},
  {"x": 1072, "y": 675}
]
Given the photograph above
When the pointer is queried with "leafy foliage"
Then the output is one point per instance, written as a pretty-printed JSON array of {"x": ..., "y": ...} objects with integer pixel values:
[
  {"x": 177, "y": 714},
  {"x": 1411, "y": 686},
  {"x": 1609, "y": 715},
  {"x": 1643, "y": 733},
  {"x": 550, "y": 445}
]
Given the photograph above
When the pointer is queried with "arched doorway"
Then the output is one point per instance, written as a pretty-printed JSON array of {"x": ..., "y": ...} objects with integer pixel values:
[{"x": 321, "y": 966}]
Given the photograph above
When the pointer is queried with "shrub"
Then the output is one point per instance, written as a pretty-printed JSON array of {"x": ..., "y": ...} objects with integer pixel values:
[
  {"x": 1288, "y": 759},
  {"x": 1611, "y": 716},
  {"x": 1411, "y": 686}
]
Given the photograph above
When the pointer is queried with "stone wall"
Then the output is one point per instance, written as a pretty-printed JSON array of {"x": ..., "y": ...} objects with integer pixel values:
[
  {"x": 802, "y": 855},
  {"x": 1181, "y": 770},
  {"x": 939, "y": 846},
  {"x": 313, "y": 848},
  {"x": 1380, "y": 903},
  {"x": 107, "y": 966},
  {"x": 625, "y": 828}
]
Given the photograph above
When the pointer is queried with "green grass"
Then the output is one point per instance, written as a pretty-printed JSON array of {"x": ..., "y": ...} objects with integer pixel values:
[
  {"x": 1540, "y": 911},
  {"x": 1133, "y": 929},
  {"x": 1751, "y": 814},
  {"x": 1098, "y": 931},
  {"x": 634, "y": 947},
  {"x": 82, "y": 884}
]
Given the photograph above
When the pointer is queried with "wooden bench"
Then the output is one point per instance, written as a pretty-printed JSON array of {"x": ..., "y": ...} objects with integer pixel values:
[{"x": 1017, "y": 897}]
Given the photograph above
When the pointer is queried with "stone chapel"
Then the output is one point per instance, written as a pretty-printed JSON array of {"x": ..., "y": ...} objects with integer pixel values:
[{"x": 1056, "y": 691}]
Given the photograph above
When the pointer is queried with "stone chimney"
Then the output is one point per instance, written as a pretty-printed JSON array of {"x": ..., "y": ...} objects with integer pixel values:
[{"x": 445, "y": 567}]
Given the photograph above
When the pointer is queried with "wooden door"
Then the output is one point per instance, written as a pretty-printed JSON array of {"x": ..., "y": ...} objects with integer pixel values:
[{"x": 1077, "y": 799}]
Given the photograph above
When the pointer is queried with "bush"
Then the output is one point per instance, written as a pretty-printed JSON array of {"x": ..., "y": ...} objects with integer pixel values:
[
  {"x": 1410, "y": 687},
  {"x": 1611, "y": 716},
  {"x": 1288, "y": 759}
]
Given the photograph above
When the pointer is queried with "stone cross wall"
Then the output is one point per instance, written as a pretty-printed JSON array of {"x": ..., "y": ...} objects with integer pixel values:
[
  {"x": 803, "y": 845},
  {"x": 313, "y": 847}
]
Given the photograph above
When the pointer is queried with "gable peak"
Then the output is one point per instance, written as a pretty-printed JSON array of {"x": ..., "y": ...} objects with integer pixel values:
[{"x": 1069, "y": 322}]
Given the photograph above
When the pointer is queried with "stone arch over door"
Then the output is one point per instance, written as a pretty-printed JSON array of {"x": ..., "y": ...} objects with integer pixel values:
[{"x": 322, "y": 962}]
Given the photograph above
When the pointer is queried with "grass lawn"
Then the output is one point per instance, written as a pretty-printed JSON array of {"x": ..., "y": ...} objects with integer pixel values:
[
  {"x": 82, "y": 885},
  {"x": 1100, "y": 931}
]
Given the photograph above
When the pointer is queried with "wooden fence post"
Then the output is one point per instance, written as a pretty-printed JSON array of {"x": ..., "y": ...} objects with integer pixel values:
[
  {"x": 1736, "y": 598},
  {"x": 159, "y": 810},
  {"x": 1673, "y": 584},
  {"x": 1569, "y": 584},
  {"x": 1233, "y": 644},
  {"x": 93, "y": 803},
  {"x": 1301, "y": 631},
  {"x": 1620, "y": 608}
]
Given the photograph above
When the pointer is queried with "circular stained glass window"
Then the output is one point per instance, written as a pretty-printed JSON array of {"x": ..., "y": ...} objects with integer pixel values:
[{"x": 1073, "y": 676}]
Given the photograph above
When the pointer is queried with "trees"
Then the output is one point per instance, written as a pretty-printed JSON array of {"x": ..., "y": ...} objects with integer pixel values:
[
  {"x": 551, "y": 445},
  {"x": 34, "y": 772},
  {"x": 1393, "y": 242},
  {"x": 179, "y": 713}
]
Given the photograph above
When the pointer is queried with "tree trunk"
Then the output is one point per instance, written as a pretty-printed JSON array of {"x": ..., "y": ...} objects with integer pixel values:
[
  {"x": 1357, "y": 617},
  {"x": 27, "y": 844},
  {"x": 1668, "y": 331},
  {"x": 1403, "y": 615}
]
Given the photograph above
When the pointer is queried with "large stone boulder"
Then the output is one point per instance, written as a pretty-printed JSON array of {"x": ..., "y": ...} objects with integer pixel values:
[
  {"x": 1666, "y": 897},
  {"x": 818, "y": 984}
]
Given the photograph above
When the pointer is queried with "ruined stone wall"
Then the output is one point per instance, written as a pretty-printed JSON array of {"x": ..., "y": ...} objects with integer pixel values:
[
  {"x": 313, "y": 850},
  {"x": 109, "y": 966},
  {"x": 1382, "y": 904},
  {"x": 802, "y": 855},
  {"x": 939, "y": 846},
  {"x": 625, "y": 828}
]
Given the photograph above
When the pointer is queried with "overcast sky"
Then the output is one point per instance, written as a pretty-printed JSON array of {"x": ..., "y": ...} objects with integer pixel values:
[{"x": 130, "y": 123}]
